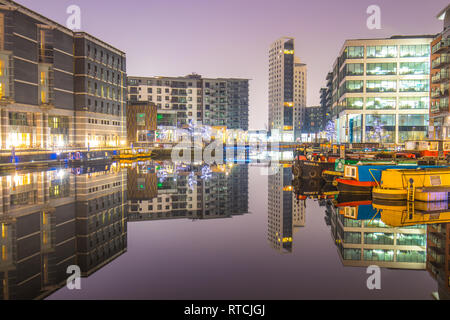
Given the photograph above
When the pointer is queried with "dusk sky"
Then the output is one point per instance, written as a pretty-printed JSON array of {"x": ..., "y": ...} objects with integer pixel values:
[{"x": 231, "y": 38}]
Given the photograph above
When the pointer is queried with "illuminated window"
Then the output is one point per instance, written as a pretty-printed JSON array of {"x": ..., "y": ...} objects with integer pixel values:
[
  {"x": 43, "y": 78},
  {"x": 140, "y": 119},
  {"x": 43, "y": 96}
]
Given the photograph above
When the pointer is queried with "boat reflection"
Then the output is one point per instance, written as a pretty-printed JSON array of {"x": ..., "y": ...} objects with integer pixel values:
[{"x": 394, "y": 235}]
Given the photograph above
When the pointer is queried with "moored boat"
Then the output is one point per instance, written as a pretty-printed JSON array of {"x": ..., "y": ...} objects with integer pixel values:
[
  {"x": 363, "y": 178},
  {"x": 430, "y": 183}
]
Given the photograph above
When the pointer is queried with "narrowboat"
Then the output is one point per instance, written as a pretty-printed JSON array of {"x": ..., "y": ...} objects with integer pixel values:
[
  {"x": 361, "y": 178},
  {"x": 313, "y": 168},
  {"x": 429, "y": 183},
  {"x": 340, "y": 164},
  {"x": 429, "y": 150},
  {"x": 422, "y": 213}
]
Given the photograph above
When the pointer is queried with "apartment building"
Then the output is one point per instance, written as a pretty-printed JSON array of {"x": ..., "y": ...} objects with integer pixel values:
[
  {"x": 440, "y": 80},
  {"x": 100, "y": 93},
  {"x": 218, "y": 102},
  {"x": 287, "y": 91},
  {"x": 326, "y": 103},
  {"x": 380, "y": 90},
  {"x": 58, "y": 88}
]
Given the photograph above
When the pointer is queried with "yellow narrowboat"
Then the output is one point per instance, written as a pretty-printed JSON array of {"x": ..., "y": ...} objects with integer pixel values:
[
  {"x": 422, "y": 213},
  {"x": 427, "y": 183}
]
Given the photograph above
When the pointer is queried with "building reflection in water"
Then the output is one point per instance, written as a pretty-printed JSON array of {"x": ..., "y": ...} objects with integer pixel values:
[
  {"x": 364, "y": 239},
  {"x": 438, "y": 258},
  {"x": 286, "y": 213},
  {"x": 53, "y": 219},
  {"x": 169, "y": 191},
  {"x": 393, "y": 236}
]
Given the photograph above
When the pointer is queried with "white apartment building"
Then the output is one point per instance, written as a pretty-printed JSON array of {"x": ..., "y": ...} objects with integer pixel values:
[
  {"x": 287, "y": 91},
  {"x": 215, "y": 102}
]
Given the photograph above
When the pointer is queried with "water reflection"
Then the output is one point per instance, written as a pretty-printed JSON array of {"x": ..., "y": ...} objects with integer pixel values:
[
  {"x": 167, "y": 191},
  {"x": 390, "y": 235},
  {"x": 78, "y": 216},
  {"x": 53, "y": 219},
  {"x": 286, "y": 215}
]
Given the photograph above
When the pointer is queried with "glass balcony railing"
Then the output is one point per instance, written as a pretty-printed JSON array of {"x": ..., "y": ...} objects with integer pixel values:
[
  {"x": 441, "y": 46},
  {"x": 440, "y": 76},
  {"x": 441, "y": 61}
]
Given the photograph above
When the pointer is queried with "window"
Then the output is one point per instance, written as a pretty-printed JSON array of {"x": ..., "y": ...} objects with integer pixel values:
[
  {"x": 354, "y": 86},
  {"x": 351, "y": 254},
  {"x": 354, "y": 69},
  {"x": 412, "y": 127},
  {"x": 414, "y": 68},
  {"x": 381, "y": 86},
  {"x": 352, "y": 237},
  {"x": 354, "y": 103},
  {"x": 414, "y": 85},
  {"x": 408, "y": 239},
  {"x": 381, "y": 69},
  {"x": 140, "y": 119},
  {"x": 419, "y": 50},
  {"x": 380, "y": 127},
  {"x": 378, "y": 255},
  {"x": 354, "y": 52},
  {"x": 380, "y": 103},
  {"x": 381, "y": 51},
  {"x": 413, "y": 102},
  {"x": 411, "y": 256}
]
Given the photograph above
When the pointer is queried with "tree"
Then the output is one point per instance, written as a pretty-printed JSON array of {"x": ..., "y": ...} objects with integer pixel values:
[
  {"x": 378, "y": 133},
  {"x": 330, "y": 130}
]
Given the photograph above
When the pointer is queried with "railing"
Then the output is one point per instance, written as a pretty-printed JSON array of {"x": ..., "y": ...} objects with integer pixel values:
[
  {"x": 439, "y": 93},
  {"x": 440, "y": 46},
  {"x": 444, "y": 59},
  {"x": 440, "y": 76}
]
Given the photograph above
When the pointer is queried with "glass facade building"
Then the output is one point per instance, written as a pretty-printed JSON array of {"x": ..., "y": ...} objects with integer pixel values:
[{"x": 380, "y": 90}]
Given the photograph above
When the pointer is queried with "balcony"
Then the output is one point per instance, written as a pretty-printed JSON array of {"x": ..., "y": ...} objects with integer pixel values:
[
  {"x": 439, "y": 93},
  {"x": 441, "y": 61},
  {"x": 441, "y": 76},
  {"x": 441, "y": 46}
]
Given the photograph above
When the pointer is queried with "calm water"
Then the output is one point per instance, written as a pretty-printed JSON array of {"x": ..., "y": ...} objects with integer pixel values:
[{"x": 158, "y": 231}]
